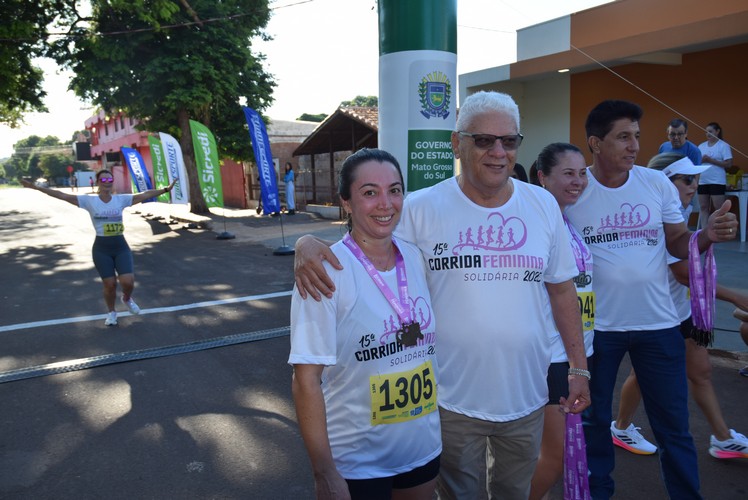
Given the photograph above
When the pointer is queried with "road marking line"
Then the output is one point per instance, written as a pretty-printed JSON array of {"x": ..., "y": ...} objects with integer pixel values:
[
  {"x": 154, "y": 352},
  {"x": 155, "y": 310}
]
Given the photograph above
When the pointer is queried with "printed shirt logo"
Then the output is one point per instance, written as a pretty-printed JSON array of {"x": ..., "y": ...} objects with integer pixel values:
[
  {"x": 629, "y": 217},
  {"x": 626, "y": 227},
  {"x": 488, "y": 248},
  {"x": 435, "y": 92},
  {"x": 506, "y": 234}
]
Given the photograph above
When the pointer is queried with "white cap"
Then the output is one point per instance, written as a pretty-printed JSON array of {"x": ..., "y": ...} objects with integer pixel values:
[{"x": 684, "y": 166}]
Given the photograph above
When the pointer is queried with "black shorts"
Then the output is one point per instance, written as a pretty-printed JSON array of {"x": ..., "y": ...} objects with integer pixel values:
[
  {"x": 558, "y": 382},
  {"x": 686, "y": 328},
  {"x": 381, "y": 487},
  {"x": 712, "y": 189}
]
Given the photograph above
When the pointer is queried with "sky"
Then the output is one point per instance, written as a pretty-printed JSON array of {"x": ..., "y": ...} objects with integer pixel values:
[{"x": 324, "y": 52}]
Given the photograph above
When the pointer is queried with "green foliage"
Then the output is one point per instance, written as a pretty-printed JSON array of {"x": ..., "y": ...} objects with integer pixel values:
[
  {"x": 22, "y": 38},
  {"x": 359, "y": 100},
  {"x": 55, "y": 165},
  {"x": 306, "y": 117},
  {"x": 166, "y": 76},
  {"x": 26, "y": 163}
]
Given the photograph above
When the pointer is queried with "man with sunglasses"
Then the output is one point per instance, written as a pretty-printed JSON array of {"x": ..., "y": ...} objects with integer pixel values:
[
  {"x": 495, "y": 251},
  {"x": 677, "y": 134},
  {"x": 630, "y": 218},
  {"x": 111, "y": 253}
]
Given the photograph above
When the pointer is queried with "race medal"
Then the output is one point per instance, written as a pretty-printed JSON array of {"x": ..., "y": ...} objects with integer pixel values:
[
  {"x": 409, "y": 334},
  {"x": 403, "y": 396}
]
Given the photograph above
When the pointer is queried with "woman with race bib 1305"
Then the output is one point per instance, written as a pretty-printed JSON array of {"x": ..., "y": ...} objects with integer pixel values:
[{"x": 365, "y": 381}]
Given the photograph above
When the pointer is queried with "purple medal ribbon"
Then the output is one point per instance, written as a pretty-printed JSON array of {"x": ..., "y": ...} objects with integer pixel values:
[
  {"x": 576, "y": 483},
  {"x": 400, "y": 306},
  {"x": 703, "y": 285},
  {"x": 579, "y": 249}
]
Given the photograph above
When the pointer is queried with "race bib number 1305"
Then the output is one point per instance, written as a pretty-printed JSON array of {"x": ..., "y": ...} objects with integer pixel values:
[{"x": 403, "y": 396}]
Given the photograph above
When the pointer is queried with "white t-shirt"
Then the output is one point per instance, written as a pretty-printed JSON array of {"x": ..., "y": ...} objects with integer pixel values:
[
  {"x": 623, "y": 228},
  {"x": 353, "y": 335},
  {"x": 487, "y": 269},
  {"x": 585, "y": 294},
  {"x": 106, "y": 217},
  {"x": 719, "y": 151},
  {"x": 679, "y": 292}
]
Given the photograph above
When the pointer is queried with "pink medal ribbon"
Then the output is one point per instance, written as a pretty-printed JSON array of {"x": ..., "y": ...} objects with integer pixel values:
[
  {"x": 579, "y": 250},
  {"x": 703, "y": 284},
  {"x": 576, "y": 483},
  {"x": 400, "y": 306}
]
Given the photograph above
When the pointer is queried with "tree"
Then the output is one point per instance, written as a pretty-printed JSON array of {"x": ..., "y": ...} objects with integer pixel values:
[
  {"x": 359, "y": 100},
  {"x": 25, "y": 161},
  {"x": 54, "y": 166},
  {"x": 174, "y": 61},
  {"x": 22, "y": 38},
  {"x": 306, "y": 117}
]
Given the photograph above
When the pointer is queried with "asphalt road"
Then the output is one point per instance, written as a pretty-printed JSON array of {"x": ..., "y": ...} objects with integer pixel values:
[{"x": 214, "y": 423}]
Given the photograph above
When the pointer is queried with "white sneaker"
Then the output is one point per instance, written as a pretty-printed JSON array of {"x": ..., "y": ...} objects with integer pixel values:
[
  {"x": 735, "y": 447},
  {"x": 111, "y": 319},
  {"x": 131, "y": 305},
  {"x": 631, "y": 440}
]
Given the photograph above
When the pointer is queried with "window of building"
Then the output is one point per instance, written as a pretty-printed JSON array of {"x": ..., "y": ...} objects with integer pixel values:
[
  {"x": 122, "y": 122},
  {"x": 115, "y": 124}
]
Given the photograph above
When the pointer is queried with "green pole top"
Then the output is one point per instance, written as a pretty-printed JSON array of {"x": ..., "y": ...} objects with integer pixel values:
[{"x": 417, "y": 25}]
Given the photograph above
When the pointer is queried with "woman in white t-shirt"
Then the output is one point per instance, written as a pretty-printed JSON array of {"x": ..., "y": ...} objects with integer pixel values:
[
  {"x": 365, "y": 372},
  {"x": 562, "y": 171},
  {"x": 717, "y": 155},
  {"x": 111, "y": 254}
]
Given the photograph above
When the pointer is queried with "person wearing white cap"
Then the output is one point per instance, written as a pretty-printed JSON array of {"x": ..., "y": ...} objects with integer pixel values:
[{"x": 724, "y": 442}]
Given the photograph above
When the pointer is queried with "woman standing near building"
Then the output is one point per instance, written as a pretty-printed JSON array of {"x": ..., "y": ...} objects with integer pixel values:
[
  {"x": 717, "y": 155},
  {"x": 111, "y": 253},
  {"x": 290, "y": 191}
]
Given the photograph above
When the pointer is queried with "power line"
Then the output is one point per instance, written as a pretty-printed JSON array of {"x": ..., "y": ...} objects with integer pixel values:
[{"x": 145, "y": 30}]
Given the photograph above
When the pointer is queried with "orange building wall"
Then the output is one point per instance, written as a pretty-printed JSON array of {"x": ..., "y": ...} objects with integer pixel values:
[{"x": 709, "y": 86}]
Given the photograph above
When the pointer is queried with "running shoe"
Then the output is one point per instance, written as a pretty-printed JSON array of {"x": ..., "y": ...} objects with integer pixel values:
[
  {"x": 111, "y": 319},
  {"x": 735, "y": 447},
  {"x": 131, "y": 305},
  {"x": 743, "y": 371},
  {"x": 631, "y": 440}
]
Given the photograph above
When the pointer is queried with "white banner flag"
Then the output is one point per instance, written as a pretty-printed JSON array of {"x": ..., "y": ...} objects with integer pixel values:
[{"x": 175, "y": 167}]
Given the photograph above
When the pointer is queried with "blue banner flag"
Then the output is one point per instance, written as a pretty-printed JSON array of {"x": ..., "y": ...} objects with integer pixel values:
[
  {"x": 264, "y": 158},
  {"x": 140, "y": 178}
]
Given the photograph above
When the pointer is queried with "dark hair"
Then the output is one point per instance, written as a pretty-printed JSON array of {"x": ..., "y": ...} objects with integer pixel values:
[
  {"x": 102, "y": 172},
  {"x": 519, "y": 172},
  {"x": 600, "y": 120},
  {"x": 289, "y": 164},
  {"x": 548, "y": 157},
  {"x": 351, "y": 164},
  {"x": 677, "y": 122},
  {"x": 715, "y": 126},
  {"x": 533, "y": 174}
]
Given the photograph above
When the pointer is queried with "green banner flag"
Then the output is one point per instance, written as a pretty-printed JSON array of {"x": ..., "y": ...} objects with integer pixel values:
[
  {"x": 160, "y": 172},
  {"x": 208, "y": 167}
]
